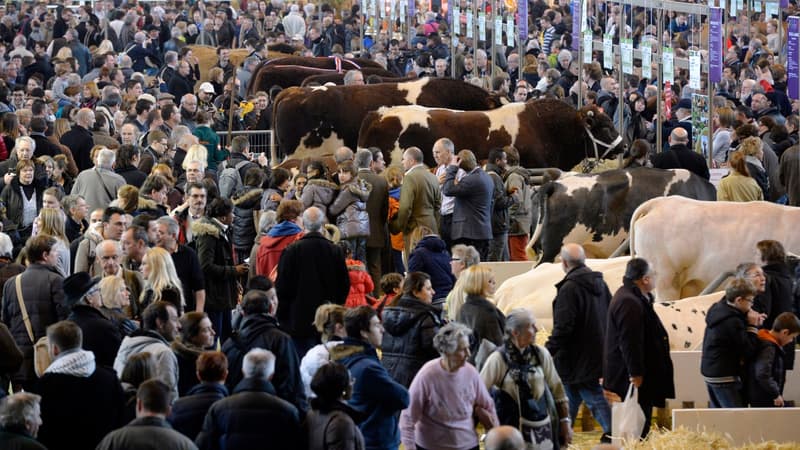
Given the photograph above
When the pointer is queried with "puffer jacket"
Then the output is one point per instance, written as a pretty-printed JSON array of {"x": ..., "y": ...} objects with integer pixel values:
[
  {"x": 188, "y": 412},
  {"x": 361, "y": 284},
  {"x": 166, "y": 363},
  {"x": 43, "y": 293},
  {"x": 431, "y": 256},
  {"x": 409, "y": 326},
  {"x": 728, "y": 343},
  {"x": 319, "y": 193},
  {"x": 215, "y": 254},
  {"x": 245, "y": 201},
  {"x": 350, "y": 209}
]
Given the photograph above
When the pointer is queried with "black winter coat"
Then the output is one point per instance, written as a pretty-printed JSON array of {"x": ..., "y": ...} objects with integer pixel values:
[
  {"x": 637, "y": 345},
  {"x": 501, "y": 201},
  {"x": 261, "y": 330},
  {"x": 245, "y": 202},
  {"x": 431, "y": 256},
  {"x": 252, "y": 417},
  {"x": 100, "y": 335},
  {"x": 485, "y": 320},
  {"x": 77, "y": 412},
  {"x": 187, "y": 365},
  {"x": 215, "y": 253},
  {"x": 409, "y": 326},
  {"x": 189, "y": 411},
  {"x": 778, "y": 298},
  {"x": 766, "y": 374},
  {"x": 580, "y": 310},
  {"x": 311, "y": 272},
  {"x": 728, "y": 342}
]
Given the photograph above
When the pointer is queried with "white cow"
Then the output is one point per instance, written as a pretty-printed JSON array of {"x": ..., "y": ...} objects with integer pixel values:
[
  {"x": 690, "y": 242},
  {"x": 685, "y": 320}
]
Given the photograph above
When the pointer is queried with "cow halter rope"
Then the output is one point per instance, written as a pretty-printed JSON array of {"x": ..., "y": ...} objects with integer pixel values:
[{"x": 596, "y": 142}]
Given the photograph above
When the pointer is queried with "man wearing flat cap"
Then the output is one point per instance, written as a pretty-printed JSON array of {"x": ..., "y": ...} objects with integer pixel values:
[{"x": 100, "y": 335}]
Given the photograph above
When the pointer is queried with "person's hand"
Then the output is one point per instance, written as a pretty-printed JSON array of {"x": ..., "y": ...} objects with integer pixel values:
[
  {"x": 778, "y": 401},
  {"x": 566, "y": 433},
  {"x": 755, "y": 318},
  {"x": 455, "y": 161},
  {"x": 241, "y": 269},
  {"x": 275, "y": 197},
  {"x": 637, "y": 381},
  {"x": 611, "y": 397},
  {"x": 262, "y": 160},
  {"x": 7, "y": 178}
]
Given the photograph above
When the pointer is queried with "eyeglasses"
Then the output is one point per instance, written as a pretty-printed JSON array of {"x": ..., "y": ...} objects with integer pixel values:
[{"x": 455, "y": 259}]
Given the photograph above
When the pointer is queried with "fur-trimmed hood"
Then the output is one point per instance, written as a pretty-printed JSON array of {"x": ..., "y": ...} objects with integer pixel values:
[
  {"x": 146, "y": 203},
  {"x": 322, "y": 183},
  {"x": 359, "y": 188},
  {"x": 249, "y": 198},
  {"x": 206, "y": 227},
  {"x": 342, "y": 351}
]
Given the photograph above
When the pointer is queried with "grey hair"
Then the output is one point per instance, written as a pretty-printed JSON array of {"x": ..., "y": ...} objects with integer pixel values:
[
  {"x": 171, "y": 57},
  {"x": 20, "y": 409},
  {"x": 363, "y": 158},
  {"x": 469, "y": 255},
  {"x": 313, "y": 218},
  {"x": 70, "y": 201},
  {"x": 446, "y": 340},
  {"x": 447, "y": 144},
  {"x": 106, "y": 158},
  {"x": 743, "y": 268},
  {"x": 266, "y": 220},
  {"x": 100, "y": 252},
  {"x": 6, "y": 247},
  {"x": 173, "y": 227},
  {"x": 178, "y": 133},
  {"x": 258, "y": 363},
  {"x": 27, "y": 139},
  {"x": 350, "y": 75},
  {"x": 518, "y": 319}
]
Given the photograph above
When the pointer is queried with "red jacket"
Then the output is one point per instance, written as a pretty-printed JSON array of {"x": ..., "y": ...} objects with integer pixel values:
[
  {"x": 360, "y": 284},
  {"x": 269, "y": 251}
]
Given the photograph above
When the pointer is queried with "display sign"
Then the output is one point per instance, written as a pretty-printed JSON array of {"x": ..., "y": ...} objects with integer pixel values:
[
  {"x": 608, "y": 52},
  {"x": 482, "y": 26},
  {"x": 668, "y": 64},
  {"x": 498, "y": 30},
  {"x": 694, "y": 69},
  {"x": 510, "y": 30},
  {"x": 647, "y": 60},
  {"x": 456, "y": 20},
  {"x": 715, "y": 37},
  {"x": 576, "y": 23},
  {"x": 469, "y": 24},
  {"x": 522, "y": 21},
  {"x": 626, "y": 46},
  {"x": 793, "y": 58},
  {"x": 587, "y": 47}
]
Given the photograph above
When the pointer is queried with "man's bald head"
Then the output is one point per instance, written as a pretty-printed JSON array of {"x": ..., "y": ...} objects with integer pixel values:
[
  {"x": 572, "y": 255},
  {"x": 343, "y": 154},
  {"x": 678, "y": 136},
  {"x": 504, "y": 438}
]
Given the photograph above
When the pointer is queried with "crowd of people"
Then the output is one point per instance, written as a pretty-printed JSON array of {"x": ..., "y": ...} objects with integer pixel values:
[{"x": 159, "y": 287}]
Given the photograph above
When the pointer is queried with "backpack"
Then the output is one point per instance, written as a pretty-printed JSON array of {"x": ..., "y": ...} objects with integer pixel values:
[{"x": 230, "y": 179}]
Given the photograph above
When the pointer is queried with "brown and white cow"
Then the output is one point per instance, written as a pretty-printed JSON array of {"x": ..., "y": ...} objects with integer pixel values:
[
  {"x": 547, "y": 133},
  {"x": 690, "y": 242},
  {"x": 338, "y": 79},
  {"x": 594, "y": 210},
  {"x": 316, "y": 121},
  {"x": 322, "y": 62},
  {"x": 535, "y": 290}
]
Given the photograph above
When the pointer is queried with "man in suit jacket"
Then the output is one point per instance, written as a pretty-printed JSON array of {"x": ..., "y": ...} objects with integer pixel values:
[
  {"x": 377, "y": 209},
  {"x": 680, "y": 156},
  {"x": 472, "y": 212},
  {"x": 420, "y": 199}
]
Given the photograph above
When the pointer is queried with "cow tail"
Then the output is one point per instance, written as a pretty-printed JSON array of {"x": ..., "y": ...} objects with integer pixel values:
[
  {"x": 640, "y": 212},
  {"x": 544, "y": 194}
]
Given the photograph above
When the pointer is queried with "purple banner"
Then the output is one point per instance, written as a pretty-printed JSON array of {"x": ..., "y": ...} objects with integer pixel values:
[
  {"x": 576, "y": 24},
  {"x": 522, "y": 21},
  {"x": 793, "y": 58},
  {"x": 715, "y": 55},
  {"x": 411, "y": 11},
  {"x": 784, "y": 4}
]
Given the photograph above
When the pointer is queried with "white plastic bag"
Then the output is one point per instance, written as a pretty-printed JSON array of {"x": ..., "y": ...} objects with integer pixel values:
[{"x": 627, "y": 417}]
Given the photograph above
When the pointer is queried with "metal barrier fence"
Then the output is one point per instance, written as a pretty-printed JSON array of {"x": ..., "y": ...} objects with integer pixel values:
[{"x": 261, "y": 141}]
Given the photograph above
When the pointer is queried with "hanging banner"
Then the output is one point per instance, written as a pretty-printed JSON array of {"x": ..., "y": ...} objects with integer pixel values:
[
  {"x": 608, "y": 52},
  {"x": 733, "y": 9},
  {"x": 757, "y": 6},
  {"x": 626, "y": 45},
  {"x": 772, "y": 10},
  {"x": 402, "y": 13},
  {"x": 411, "y": 10},
  {"x": 694, "y": 69},
  {"x": 784, "y": 4},
  {"x": 482, "y": 26},
  {"x": 498, "y": 30},
  {"x": 456, "y": 20},
  {"x": 510, "y": 30},
  {"x": 469, "y": 24},
  {"x": 792, "y": 58},
  {"x": 715, "y": 36},
  {"x": 668, "y": 63},
  {"x": 392, "y": 14},
  {"x": 587, "y": 47},
  {"x": 522, "y": 21},
  {"x": 647, "y": 61},
  {"x": 576, "y": 23}
]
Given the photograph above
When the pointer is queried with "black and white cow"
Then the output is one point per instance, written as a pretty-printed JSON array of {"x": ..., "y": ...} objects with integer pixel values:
[{"x": 594, "y": 210}]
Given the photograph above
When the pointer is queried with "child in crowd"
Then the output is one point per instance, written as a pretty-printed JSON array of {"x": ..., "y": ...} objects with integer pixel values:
[
  {"x": 394, "y": 177},
  {"x": 350, "y": 210},
  {"x": 360, "y": 282},
  {"x": 767, "y": 374},
  {"x": 391, "y": 286}
]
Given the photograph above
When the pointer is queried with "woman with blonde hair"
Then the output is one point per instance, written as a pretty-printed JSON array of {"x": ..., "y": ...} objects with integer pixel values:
[
  {"x": 174, "y": 196},
  {"x": 329, "y": 322},
  {"x": 738, "y": 185},
  {"x": 51, "y": 223},
  {"x": 477, "y": 312},
  {"x": 753, "y": 150},
  {"x": 161, "y": 280},
  {"x": 90, "y": 95},
  {"x": 196, "y": 152},
  {"x": 116, "y": 301},
  {"x": 104, "y": 48}
]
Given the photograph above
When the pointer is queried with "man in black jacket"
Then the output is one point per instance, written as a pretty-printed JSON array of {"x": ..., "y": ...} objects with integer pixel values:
[
  {"x": 188, "y": 412},
  {"x": 254, "y": 414},
  {"x": 680, "y": 156},
  {"x": 259, "y": 329},
  {"x": 637, "y": 346},
  {"x": 311, "y": 272},
  {"x": 729, "y": 340},
  {"x": 501, "y": 201},
  {"x": 579, "y": 327}
]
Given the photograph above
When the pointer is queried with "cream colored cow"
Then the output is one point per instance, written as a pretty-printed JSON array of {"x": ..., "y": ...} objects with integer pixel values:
[{"x": 689, "y": 242}]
